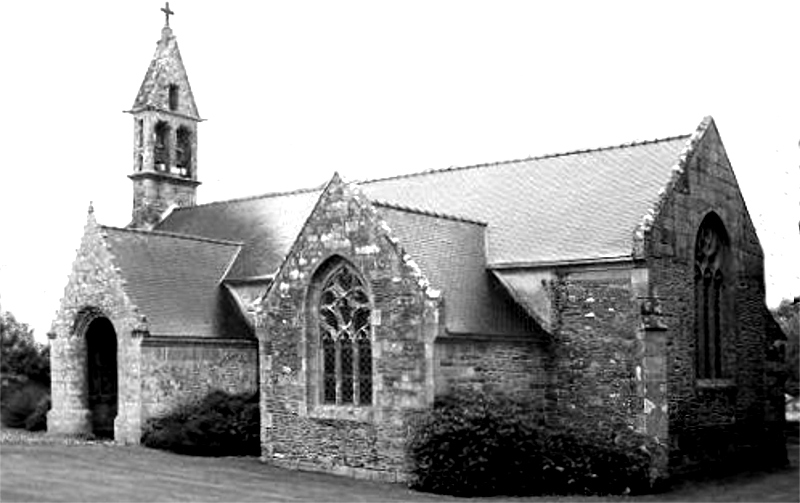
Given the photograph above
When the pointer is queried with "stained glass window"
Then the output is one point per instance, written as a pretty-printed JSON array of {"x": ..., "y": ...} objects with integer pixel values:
[
  {"x": 346, "y": 350},
  {"x": 365, "y": 369},
  {"x": 329, "y": 369}
]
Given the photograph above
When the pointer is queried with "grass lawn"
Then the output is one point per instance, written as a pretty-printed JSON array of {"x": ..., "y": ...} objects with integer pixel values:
[
  {"x": 55, "y": 472},
  {"x": 49, "y": 472}
]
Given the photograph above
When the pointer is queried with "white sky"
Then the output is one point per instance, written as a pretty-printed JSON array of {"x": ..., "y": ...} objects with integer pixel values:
[{"x": 295, "y": 90}]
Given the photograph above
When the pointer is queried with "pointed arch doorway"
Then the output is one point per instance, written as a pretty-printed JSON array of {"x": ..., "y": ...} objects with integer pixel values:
[{"x": 101, "y": 376}]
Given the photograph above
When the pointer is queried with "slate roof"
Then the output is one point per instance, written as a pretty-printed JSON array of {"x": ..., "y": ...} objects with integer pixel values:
[
  {"x": 175, "y": 281},
  {"x": 268, "y": 226},
  {"x": 571, "y": 206},
  {"x": 577, "y": 205},
  {"x": 450, "y": 252}
]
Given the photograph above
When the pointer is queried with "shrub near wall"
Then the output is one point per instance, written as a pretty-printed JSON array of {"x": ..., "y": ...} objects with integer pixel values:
[
  {"x": 473, "y": 444},
  {"x": 599, "y": 458},
  {"x": 21, "y": 402},
  {"x": 221, "y": 424}
]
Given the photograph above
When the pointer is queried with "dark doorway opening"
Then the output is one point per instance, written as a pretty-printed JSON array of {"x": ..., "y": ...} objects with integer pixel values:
[{"x": 101, "y": 349}]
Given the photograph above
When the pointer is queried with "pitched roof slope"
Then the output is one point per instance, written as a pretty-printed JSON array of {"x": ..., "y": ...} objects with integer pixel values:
[
  {"x": 450, "y": 253},
  {"x": 267, "y": 225},
  {"x": 174, "y": 280},
  {"x": 579, "y": 205},
  {"x": 571, "y": 206}
]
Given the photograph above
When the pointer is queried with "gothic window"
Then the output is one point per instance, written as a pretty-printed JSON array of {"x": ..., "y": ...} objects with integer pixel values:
[
  {"x": 161, "y": 147},
  {"x": 173, "y": 97},
  {"x": 183, "y": 151},
  {"x": 344, "y": 334},
  {"x": 710, "y": 297}
]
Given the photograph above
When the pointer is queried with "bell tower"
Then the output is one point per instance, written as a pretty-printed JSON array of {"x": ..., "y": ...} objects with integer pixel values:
[{"x": 165, "y": 122}]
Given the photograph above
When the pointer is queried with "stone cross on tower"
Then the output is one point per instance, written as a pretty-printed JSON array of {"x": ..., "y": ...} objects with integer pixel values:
[{"x": 167, "y": 12}]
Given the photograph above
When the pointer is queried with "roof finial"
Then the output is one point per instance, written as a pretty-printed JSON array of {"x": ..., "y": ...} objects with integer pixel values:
[
  {"x": 167, "y": 12},
  {"x": 91, "y": 207}
]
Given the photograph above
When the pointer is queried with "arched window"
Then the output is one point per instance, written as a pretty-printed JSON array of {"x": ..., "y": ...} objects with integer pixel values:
[
  {"x": 183, "y": 151},
  {"x": 345, "y": 348},
  {"x": 710, "y": 280},
  {"x": 161, "y": 147}
]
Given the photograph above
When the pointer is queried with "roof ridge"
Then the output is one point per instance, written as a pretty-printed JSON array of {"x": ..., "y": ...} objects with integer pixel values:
[
  {"x": 252, "y": 198},
  {"x": 430, "y": 213},
  {"x": 630, "y": 144},
  {"x": 304, "y": 190},
  {"x": 173, "y": 235}
]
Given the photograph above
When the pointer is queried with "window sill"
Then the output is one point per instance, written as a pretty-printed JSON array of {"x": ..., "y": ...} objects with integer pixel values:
[
  {"x": 343, "y": 413},
  {"x": 715, "y": 383}
]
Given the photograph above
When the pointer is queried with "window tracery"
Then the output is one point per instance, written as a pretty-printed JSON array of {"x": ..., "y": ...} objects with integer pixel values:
[
  {"x": 710, "y": 280},
  {"x": 345, "y": 347}
]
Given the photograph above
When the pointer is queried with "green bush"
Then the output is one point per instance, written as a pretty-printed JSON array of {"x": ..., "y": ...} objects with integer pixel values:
[
  {"x": 221, "y": 424},
  {"x": 474, "y": 444},
  {"x": 25, "y": 371},
  {"x": 20, "y": 401},
  {"x": 592, "y": 458},
  {"x": 37, "y": 420},
  {"x": 20, "y": 354}
]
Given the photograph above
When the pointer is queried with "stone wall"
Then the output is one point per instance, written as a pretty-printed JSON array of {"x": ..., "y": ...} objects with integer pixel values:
[
  {"x": 727, "y": 412},
  {"x": 597, "y": 347},
  {"x": 153, "y": 194},
  {"x": 364, "y": 441},
  {"x": 177, "y": 370},
  {"x": 94, "y": 289},
  {"x": 513, "y": 366},
  {"x": 607, "y": 358}
]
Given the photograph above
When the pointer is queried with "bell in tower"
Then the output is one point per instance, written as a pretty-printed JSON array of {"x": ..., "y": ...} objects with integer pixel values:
[{"x": 165, "y": 129}]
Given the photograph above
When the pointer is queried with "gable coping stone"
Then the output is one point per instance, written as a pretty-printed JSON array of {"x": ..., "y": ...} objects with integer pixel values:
[{"x": 646, "y": 222}]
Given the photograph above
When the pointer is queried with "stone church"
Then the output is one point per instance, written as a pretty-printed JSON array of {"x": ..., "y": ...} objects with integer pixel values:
[{"x": 624, "y": 280}]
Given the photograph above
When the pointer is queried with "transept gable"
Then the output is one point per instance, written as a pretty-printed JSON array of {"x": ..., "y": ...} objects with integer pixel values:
[
  {"x": 345, "y": 223},
  {"x": 441, "y": 256}
]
